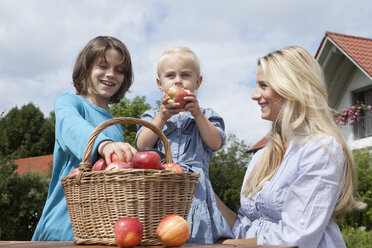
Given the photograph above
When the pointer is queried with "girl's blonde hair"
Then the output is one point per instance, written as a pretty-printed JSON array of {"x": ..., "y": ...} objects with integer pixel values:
[
  {"x": 297, "y": 77},
  {"x": 181, "y": 52}
]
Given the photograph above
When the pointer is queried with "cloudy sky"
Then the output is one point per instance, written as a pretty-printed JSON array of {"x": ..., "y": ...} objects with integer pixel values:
[{"x": 39, "y": 42}]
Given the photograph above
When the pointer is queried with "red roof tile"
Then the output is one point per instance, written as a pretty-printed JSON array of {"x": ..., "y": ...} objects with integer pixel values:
[
  {"x": 358, "y": 48},
  {"x": 41, "y": 163},
  {"x": 260, "y": 144}
]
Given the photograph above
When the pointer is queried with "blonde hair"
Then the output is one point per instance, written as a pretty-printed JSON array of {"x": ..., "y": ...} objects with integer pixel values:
[
  {"x": 181, "y": 52},
  {"x": 297, "y": 77}
]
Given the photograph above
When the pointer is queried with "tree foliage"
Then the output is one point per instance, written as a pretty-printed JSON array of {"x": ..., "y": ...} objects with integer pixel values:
[
  {"x": 22, "y": 199},
  {"x": 227, "y": 169},
  {"x": 26, "y": 133},
  {"x": 128, "y": 108},
  {"x": 358, "y": 218}
]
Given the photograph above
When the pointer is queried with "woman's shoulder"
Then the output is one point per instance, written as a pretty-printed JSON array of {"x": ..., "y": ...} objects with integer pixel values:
[
  {"x": 322, "y": 141},
  {"x": 322, "y": 148}
]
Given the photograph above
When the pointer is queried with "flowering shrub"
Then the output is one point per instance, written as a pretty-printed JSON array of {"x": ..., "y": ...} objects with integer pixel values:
[{"x": 352, "y": 114}]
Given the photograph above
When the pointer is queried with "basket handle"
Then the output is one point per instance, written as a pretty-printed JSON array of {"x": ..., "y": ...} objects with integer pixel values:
[{"x": 86, "y": 165}]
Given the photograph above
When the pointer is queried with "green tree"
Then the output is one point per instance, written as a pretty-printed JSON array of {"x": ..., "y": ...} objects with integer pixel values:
[
  {"x": 127, "y": 108},
  {"x": 25, "y": 133},
  {"x": 22, "y": 199},
  {"x": 358, "y": 218},
  {"x": 227, "y": 169}
]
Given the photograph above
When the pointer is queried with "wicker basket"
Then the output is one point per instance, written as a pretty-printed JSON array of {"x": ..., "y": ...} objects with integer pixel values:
[{"x": 96, "y": 199}]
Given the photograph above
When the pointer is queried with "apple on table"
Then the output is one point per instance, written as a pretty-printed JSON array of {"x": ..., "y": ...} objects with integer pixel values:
[
  {"x": 173, "y": 230},
  {"x": 128, "y": 232}
]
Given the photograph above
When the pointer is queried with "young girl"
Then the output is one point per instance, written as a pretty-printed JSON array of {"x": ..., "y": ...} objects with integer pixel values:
[
  {"x": 102, "y": 75},
  {"x": 194, "y": 133}
]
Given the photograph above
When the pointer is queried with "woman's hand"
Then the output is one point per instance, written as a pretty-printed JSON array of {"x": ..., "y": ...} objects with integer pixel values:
[{"x": 106, "y": 148}]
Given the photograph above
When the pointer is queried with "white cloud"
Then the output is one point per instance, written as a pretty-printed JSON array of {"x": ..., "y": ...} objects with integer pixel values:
[{"x": 40, "y": 39}]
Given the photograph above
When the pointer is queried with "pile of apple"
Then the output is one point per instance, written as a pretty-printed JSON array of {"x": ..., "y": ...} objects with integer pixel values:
[
  {"x": 173, "y": 230},
  {"x": 140, "y": 160}
]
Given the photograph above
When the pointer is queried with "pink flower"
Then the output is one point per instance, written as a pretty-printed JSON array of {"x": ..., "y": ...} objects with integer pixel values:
[{"x": 351, "y": 114}]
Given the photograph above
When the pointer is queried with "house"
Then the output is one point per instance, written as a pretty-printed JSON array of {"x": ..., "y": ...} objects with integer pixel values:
[
  {"x": 347, "y": 64},
  {"x": 41, "y": 163}
]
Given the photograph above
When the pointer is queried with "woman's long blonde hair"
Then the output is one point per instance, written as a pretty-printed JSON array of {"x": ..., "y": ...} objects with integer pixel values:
[{"x": 297, "y": 77}]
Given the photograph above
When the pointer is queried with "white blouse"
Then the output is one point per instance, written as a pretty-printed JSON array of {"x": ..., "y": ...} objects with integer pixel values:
[{"x": 295, "y": 207}]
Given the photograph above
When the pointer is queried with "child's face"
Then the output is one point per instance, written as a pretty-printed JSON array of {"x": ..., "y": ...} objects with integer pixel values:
[
  {"x": 106, "y": 77},
  {"x": 177, "y": 71}
]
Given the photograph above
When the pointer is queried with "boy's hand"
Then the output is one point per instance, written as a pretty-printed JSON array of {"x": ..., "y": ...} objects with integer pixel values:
[
  {"x": 192, "y": 105},
  {"x": 168, "y": 109}
]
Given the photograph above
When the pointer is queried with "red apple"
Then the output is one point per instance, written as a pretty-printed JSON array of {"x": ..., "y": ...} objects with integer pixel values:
[
  {"x": 172, "y": 167},
  {"x": 114, "y": 157},
  {"x": 74, "y": 171},
  {"x": 128, "y": 232},
  {"x": 99, "y": 165},
  {"x": 173, "y": 230},
  {"x": 177, "y": 94},
  {"x": 146, "y": 160},
  {"x": 118, "y": 165}
]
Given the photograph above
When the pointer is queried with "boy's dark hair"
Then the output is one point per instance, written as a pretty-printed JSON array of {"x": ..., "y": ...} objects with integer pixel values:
[{"x": 96, "y": 48}]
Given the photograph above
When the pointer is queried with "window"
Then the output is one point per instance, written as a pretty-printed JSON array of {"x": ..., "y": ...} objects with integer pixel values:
[{"x": 363, "y": 128}]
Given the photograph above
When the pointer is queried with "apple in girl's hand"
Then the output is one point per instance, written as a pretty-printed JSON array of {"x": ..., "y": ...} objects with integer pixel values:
[
  {"x": 74, "y": 171},
  {"x": 173, "y": 230},
  {"x": 177, "y": 94},
  {"x": 172, "y": 167},
  {"x": 128, "y": 232},
  {"x": 118, "y": 165},
  {"x": 114, "y": 157},
  {"x": 99, "y": 165},
  {"x": 146, "y": 160}
]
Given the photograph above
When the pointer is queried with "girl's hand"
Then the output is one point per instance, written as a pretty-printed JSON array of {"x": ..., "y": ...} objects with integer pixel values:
[
  {"x": 168, "y": 109},
  {"x": 192, "y": 105},
  {"x": 106, "y": 148}
]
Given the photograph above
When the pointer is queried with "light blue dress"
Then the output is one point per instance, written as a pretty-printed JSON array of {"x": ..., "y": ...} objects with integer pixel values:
[
  {"x": 295, "y": 207},
  {"x": 76, "y": 118},
  {"x": 188, "y": 150}
]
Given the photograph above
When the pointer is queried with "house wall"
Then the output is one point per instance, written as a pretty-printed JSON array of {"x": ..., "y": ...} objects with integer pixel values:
[{"x": 358, "y": 81}]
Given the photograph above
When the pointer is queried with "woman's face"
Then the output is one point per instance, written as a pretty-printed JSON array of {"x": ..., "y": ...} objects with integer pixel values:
[{"x": 271, "y": 102}]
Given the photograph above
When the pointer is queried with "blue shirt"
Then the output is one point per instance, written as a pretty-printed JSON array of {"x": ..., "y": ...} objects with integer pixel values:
[
  {"x": 189, "y": 150},
  {"x": 76, "y": 118},
  {"x": 295, "y": 207}
]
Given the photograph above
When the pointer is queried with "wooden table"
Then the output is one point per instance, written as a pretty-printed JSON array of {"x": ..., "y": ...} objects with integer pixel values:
[{"x": 42, "y": 244}]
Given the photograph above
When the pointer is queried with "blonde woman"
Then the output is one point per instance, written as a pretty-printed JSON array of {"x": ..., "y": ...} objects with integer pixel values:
[{"x": 303, "y": 180}]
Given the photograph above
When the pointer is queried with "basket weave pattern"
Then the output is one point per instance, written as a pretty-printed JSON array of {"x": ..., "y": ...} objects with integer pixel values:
[{"x": 95, "y": 200}]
